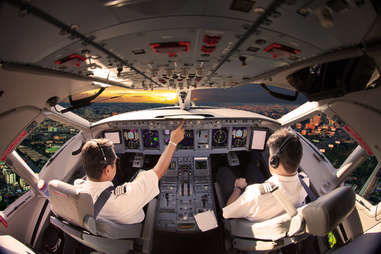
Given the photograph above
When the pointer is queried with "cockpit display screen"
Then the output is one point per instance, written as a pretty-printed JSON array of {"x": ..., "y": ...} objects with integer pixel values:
[
  {"x": 201, "y": 164},
  {"x": 113, "y": 136},
  {"x": 188, "y": 141},
  {"x": 239, "y": 135},
  {"x": 220, "y": 137},
  {"x": 151, "y": 139},
  {"x": 258, "y": 141},
  {"x": 131, "y": 138}
]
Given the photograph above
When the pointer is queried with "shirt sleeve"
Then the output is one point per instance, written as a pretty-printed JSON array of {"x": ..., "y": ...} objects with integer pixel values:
[
  {"x": 244, "y": 205},
  {"x": 145, "y": 187},
  {"x": 78, "y": 182}
]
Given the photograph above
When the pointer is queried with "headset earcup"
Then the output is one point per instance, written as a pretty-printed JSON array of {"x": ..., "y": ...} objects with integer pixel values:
[{"x": 274, "y": 162}]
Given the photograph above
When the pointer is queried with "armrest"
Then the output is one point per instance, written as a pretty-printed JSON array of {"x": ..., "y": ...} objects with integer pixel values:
[
  {"x": 148, "y": 227},
  {"x": 220, "y": 200}
]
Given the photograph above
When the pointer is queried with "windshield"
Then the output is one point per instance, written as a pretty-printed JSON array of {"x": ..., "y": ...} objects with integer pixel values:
[{"x": 247, "y": 97}]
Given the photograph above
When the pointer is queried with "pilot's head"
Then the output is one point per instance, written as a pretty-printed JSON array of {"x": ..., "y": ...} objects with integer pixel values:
[
  {"x": 285, "y": 152},
  {"x": 99, "y": 160}
]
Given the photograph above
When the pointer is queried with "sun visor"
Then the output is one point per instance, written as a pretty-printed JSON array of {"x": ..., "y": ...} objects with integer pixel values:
[{"x": 333, "y": 79}]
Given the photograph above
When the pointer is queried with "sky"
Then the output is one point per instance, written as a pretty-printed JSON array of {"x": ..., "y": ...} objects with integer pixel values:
[{"x": 246, "y": 94}]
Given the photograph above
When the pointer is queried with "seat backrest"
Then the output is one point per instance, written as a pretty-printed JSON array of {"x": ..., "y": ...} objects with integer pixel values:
[
  {"x": 325, "y": 213},
  {"x": 320, "y": 216},
  {"x": 70, "y": 204}
]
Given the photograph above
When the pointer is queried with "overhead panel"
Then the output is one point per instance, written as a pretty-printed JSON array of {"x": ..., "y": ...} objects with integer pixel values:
[{"x": 124, "y": 34}]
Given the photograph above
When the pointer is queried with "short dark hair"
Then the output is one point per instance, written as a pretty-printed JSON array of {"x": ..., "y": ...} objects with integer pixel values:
[
  {"x": 291, "y": 154},
  {"x": 94, "y": 153}
]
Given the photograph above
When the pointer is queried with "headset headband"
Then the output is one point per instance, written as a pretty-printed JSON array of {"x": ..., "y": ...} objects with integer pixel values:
[
  {"x": 103, "y": 154},
  {"x": 283, "y": 145}
]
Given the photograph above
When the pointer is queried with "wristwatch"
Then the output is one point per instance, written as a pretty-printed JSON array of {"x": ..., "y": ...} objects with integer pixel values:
[
  {"x": 237, "y": 187},
  {"x": 172, "y": 143}
]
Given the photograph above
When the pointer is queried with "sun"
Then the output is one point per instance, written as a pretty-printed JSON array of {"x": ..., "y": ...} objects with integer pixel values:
[
  {"x": 168, "y": 96},
  {"x": 136, "y": 95}
]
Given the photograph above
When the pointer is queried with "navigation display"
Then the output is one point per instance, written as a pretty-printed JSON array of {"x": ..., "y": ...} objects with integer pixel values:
[
  {"x": 239, "y": 135},
  {"x": 220, "y": 137},
  {"x": 258, "y": 141},
  {"x": 113, "y": 136},
  {"x": 131, "y": 139},
  {"x": 151, "y": 139},
  {"x": 188, "y": 141}
]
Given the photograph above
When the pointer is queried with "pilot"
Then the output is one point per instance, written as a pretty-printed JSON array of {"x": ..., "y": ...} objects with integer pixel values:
[
  {"x": 125, "y": 203},
  {"x": 255, "y": 202}
]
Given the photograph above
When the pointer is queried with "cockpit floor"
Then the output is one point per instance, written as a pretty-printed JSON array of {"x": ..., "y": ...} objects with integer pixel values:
[{"x": 204, "y": 242}]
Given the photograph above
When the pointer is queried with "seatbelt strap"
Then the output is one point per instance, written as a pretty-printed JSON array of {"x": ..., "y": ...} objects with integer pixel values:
[
  {"x": 101, "y": 201},
  {"x": 285, "y": 202},
  {"x": 310, "y": 194},
  {"x": 270, "y": 187},
  {"x": 288, "y": 206}
]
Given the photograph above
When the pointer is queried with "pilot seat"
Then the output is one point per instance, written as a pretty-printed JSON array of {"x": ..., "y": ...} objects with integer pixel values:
[
  {"x": 74, "y": 215},
  {"x": 317, "y": 218}
]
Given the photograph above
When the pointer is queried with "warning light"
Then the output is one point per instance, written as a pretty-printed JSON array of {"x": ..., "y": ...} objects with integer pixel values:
[
  {"x": 207, "y": 49},
  {"x": 172, "y": 48},
  {"x": 71, "y": 60},
  {"x": 211, "y": 40},
  {"x": 279, "y": 50}
]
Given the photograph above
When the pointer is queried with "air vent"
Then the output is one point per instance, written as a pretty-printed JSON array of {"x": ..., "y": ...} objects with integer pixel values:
[
  {"x": 138, "y": 51},
  {"x": 242, "y": 5},
  {"x": 260, "y": 42},
  {"x": 253, "y": 49}
]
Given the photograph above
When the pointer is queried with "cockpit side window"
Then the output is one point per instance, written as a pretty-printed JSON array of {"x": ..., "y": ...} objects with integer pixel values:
[
  {"x": 337, "y": 145},
  {"x": 43, "y": 142},
  {"x": 12, "y": 186}
]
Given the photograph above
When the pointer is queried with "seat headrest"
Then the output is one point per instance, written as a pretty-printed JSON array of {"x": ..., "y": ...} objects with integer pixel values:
[
  {"x": 69, "y": 204},
  {"x": 325, "y": 213}
]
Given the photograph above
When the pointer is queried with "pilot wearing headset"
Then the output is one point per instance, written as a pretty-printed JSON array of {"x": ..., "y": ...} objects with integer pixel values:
[
  {"x": 255, "y": 202},
  {"x": 122, "y": 204}
]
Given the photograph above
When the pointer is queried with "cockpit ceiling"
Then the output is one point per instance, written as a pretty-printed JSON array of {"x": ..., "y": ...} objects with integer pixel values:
[{"x": 175, "y": 44}]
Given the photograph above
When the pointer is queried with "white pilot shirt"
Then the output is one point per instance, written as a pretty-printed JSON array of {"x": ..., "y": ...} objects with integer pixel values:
[
  {"x": 125, "y": 208},
  {"x": 256, "y": 207}
]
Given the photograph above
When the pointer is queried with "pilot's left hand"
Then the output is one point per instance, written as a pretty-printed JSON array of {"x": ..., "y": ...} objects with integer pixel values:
[
  {"x": 178, "y": 134},
  {"x": 240, "y": 183}
]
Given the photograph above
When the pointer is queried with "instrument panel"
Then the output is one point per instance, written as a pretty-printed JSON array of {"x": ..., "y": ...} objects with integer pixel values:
[
  {"x": 186, "y": 189},
  {"x": 154, "y": 136}
]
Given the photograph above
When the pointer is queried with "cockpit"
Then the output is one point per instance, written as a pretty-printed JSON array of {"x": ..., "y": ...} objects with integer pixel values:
[{"x": 187, "y": 188}]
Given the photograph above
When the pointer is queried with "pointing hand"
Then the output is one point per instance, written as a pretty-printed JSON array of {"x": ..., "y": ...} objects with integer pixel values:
[{"x": 178, "y": 134}]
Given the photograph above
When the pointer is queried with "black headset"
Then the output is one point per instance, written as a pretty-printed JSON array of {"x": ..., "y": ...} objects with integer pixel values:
[
  {"x": 104, "y": 161},
  {"x": 274, "y": 161}
]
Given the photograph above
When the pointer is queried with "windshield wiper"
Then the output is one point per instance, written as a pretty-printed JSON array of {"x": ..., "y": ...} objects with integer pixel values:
[{"x": 76, "y": 104}]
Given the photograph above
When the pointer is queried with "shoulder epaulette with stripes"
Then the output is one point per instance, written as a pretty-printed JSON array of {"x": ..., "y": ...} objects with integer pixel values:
[
  {"x": 120, "y": 190},
  {"x": 267, "y": 187}
]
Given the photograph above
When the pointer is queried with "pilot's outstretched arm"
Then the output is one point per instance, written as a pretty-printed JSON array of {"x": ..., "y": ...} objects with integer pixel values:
[{"x": 165, "y": 159}]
